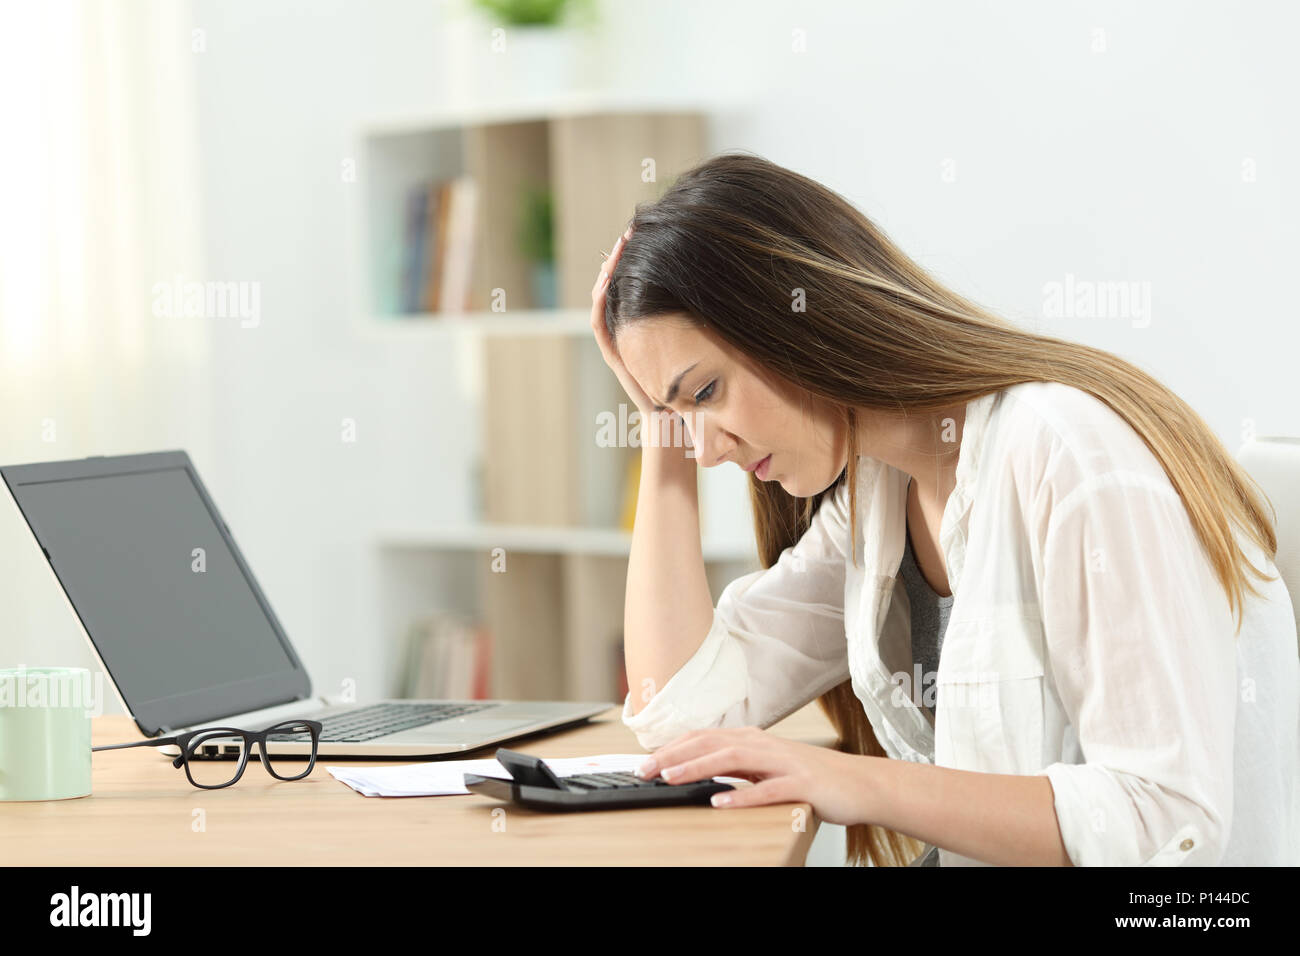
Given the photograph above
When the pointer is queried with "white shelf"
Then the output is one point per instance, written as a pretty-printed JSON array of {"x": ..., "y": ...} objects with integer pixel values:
[
  {"x": 576, "y": 322},
  {"x": 536, "y": 540},
  {"x": 576, "y": 103}
]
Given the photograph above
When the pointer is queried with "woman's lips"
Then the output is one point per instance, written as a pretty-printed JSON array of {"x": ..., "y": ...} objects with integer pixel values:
[{"x": 762, "y": 468}]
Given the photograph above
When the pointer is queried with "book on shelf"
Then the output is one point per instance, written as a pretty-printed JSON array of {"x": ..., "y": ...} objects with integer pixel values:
[
  {"x": 413, "y": 247},
  {"x": 435, "y": 244},
  {"x": 462, "y": 235},
  {"x": 448, "y": 658},
  {"x": 438, "y": 245}
]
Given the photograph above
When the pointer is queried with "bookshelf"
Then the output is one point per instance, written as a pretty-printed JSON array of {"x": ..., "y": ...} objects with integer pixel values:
[{"x": 551, "y": 500}]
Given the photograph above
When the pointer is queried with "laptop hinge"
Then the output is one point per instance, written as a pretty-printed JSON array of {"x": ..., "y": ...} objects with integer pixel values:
[{"x": 257, "y": 719}]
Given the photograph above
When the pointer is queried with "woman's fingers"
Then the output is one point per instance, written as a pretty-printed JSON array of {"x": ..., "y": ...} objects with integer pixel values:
[
  {"x": 727, "y": 761},
  {"x": 611, "y": 260},
  {"x": 726, "y": 751},
  {"x": 603, "y": 340},
  {"x": 771, "y": 790}
]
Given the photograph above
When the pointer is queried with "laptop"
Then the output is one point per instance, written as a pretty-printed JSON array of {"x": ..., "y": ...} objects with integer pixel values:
[{"x": 173, "y": 614}]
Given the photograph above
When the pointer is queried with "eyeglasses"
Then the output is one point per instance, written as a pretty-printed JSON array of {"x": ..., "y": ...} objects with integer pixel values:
[{"x": 209, "y": 754}]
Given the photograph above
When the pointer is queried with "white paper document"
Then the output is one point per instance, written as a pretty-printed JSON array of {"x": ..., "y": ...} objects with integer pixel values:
[{"x": 444, "y": 777}]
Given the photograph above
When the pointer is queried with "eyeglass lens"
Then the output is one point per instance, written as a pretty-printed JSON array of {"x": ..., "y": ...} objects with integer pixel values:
[
  {"x": 217, "y": 756},
  {"x": 292, "y": 766},
  {"x": 214, "y": 757}
]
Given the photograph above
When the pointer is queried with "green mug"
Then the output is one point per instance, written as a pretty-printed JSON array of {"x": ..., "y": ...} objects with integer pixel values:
[{"x": 44, "y": 733}]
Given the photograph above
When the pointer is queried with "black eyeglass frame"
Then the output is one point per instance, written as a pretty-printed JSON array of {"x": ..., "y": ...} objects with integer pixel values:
[{"x": 250, "y": 737}]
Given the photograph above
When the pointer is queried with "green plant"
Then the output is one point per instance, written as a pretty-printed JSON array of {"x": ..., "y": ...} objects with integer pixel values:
[
  {"x": 537, "y": 225},
  {"x": 535, "y": 12}
]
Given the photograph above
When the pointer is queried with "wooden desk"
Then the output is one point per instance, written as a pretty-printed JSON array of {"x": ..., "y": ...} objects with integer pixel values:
[{"x": 143, "y": 812}]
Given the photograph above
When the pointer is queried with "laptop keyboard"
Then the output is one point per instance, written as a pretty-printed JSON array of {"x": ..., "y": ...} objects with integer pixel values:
[
  {"x": 378, "y": 720},
  {"x": 611, "y": 781}
]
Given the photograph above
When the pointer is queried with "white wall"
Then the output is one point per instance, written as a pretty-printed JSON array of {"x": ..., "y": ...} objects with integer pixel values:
[{"x": 282, "y": 90}]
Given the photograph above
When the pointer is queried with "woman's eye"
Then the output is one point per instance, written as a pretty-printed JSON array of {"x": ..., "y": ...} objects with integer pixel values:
[{"x": 704, "y": 394}]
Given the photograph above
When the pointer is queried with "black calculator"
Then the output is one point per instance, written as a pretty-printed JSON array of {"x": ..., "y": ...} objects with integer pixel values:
[{"x": 533, "y": 784}]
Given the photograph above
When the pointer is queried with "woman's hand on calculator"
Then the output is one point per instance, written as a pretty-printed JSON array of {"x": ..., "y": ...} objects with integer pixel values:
[{"x": 782, "y": 771}]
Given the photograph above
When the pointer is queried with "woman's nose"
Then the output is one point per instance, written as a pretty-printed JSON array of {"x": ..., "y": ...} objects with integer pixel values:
[{"x": 711, "y": 442}]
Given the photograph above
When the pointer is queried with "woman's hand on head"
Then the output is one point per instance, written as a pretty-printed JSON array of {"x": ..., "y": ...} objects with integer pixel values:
[
  {"x": 634, "y": 391},
  {"x": 668, "y": 431}
]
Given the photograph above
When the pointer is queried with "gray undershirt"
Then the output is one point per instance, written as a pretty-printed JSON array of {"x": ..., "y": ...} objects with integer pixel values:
[{"x": 929, "y": 622}]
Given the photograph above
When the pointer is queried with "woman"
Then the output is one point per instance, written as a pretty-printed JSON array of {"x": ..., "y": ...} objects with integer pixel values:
[{"x": 1066, "y": 531}]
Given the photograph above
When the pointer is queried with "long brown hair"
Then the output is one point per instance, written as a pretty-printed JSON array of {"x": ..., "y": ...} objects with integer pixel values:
[{"x": 735, "y": 241}]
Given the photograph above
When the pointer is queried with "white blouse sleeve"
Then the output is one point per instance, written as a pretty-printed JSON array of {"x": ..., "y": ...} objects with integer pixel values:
[
  {"x": 777, "y": 641},
  {"x": 1139, "y": 640}
]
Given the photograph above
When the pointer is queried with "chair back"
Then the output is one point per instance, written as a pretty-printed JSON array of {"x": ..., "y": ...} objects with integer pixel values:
[{"x": 1275, "y": 464}]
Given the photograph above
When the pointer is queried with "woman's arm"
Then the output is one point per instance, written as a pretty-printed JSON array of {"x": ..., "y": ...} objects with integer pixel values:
[
  {"x": 1002, "y": 819},
  {"x": 999, "y": 818},
  {"x": 668, "y": 608}
]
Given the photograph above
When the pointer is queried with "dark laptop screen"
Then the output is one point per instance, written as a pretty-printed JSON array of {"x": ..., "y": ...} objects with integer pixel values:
[{"x": 169, "y": 608}]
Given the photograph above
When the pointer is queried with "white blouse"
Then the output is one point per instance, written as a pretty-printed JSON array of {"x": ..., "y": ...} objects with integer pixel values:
[{"x": 1089, "y": 641}]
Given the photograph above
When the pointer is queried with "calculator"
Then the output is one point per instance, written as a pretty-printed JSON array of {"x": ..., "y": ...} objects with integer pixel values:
[{"x": 533, "y": 784}]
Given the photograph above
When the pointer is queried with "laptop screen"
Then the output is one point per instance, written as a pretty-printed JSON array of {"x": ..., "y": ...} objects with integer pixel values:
[{"x": 170, "y": 605}]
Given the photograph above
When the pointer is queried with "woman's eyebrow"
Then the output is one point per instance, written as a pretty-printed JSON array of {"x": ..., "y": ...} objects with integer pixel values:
[{"x": 672, "y": 389}]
